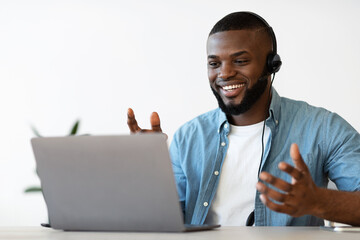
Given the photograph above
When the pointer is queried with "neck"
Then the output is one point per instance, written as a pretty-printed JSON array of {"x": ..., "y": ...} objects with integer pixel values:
[{"x": 257, "y": 113}]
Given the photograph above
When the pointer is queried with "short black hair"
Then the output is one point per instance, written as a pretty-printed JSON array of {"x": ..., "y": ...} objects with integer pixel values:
[
  {"x": 239, "y": 21},
  {"x": 244, "y": 21}
]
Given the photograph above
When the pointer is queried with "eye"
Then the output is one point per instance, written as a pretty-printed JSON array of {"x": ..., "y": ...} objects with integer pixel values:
[
  {"x": 241, "y": 61},
  {"x": 213, "y": 64}
]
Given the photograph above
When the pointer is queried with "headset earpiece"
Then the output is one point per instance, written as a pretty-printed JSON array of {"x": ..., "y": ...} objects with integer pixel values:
[{"x": 273, "y": 63}]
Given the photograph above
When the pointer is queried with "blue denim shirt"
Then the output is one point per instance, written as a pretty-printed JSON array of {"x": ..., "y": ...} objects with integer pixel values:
[{"x": 328, "y": 144}]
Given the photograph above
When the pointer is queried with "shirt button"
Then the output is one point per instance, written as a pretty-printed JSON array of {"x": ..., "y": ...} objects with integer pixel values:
[
  {"x": 223, "y": 144},
  {"x": 206, "y": 204},
  {"x": 277, "y": 122},
  {"x": 225, "y": 126},
  {"x": 216, "y": 173}
]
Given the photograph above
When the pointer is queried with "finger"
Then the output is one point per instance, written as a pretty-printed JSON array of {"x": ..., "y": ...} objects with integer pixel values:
[
  {"x": 296, "y": 157},
  {"x": 131, "y": 121},
  {"x": 155, "y": 122},
  {"x": 276, "y": 182},
  {"x": 295, "y": 173},
  {"x": 283, "y": 208},
  {"x": 273, "y": 194}
]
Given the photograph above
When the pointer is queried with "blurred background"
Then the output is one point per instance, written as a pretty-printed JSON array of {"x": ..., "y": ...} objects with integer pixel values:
[{"x": 62, "y": 61}]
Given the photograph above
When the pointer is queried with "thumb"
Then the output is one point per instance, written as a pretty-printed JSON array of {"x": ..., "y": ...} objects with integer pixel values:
[
  {"x": 155, "y": 122},
  {"x": 296, "y": 157}
]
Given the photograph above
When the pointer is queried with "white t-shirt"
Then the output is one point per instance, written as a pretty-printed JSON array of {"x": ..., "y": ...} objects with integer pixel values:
[{"x": 235, "y": 196}]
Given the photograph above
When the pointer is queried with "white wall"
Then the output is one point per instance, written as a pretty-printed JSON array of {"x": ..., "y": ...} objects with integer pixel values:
[{"x": 64, "y": 60}]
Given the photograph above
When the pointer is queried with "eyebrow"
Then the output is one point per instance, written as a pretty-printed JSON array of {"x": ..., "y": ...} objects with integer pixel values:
[{"x": 232, "y": 55}]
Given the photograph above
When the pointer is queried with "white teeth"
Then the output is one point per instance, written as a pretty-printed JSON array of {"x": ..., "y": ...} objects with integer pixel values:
[{"x": 231, "y": 87}]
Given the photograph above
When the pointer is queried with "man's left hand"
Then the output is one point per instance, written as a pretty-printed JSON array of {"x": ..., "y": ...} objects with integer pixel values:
[{"x": 298, "y": 197}]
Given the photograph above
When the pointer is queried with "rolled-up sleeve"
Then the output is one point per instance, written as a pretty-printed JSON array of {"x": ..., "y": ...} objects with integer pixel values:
[{"x": 343, "y": 153}]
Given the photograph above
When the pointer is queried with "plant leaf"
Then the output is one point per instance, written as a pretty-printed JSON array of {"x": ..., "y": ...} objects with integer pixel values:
[
  {"x": 36, "y": 132},
  {"x": 75, "y": 128},
  {"x": 33, "y": 189}
]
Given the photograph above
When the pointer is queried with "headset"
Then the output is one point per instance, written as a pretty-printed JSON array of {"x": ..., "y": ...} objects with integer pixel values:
[
  {"x": 273, "y": 64},
  {"x": 273, "y": 60}
]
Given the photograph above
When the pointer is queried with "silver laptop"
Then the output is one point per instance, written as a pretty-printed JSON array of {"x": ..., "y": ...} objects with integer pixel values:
[{"x": 109, "y": 183}]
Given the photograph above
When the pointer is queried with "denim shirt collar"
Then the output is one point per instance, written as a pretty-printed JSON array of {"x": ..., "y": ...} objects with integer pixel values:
[
  {"x": 274, "y": 111},
  {"x": 272, "y": 121},
  {"x": 222, "y": 120}
]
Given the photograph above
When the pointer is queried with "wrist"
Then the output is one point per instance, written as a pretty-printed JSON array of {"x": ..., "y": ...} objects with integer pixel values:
[{"x": 320, "y": 203}]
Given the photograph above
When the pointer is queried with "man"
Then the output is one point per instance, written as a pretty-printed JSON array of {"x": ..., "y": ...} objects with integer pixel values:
[{"x": 235, "y": 159}]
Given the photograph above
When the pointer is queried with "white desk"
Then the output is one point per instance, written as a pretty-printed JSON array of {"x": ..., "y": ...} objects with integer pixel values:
[{"x": 224, "y": 233}]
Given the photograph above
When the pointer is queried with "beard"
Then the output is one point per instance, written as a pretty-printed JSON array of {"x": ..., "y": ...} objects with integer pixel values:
[{"x": 251, "y": 96}]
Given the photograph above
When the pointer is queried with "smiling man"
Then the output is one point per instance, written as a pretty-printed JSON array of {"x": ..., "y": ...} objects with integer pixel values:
[
  {"x": 232, "y": 165},
  {"x": 238, "y": 73}
]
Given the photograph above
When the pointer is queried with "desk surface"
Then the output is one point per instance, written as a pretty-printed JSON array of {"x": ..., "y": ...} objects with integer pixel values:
[{"x": 223, "y": 233}]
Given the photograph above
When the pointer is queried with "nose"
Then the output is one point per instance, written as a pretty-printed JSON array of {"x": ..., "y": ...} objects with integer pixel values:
[{"x": 226, "y": 71}]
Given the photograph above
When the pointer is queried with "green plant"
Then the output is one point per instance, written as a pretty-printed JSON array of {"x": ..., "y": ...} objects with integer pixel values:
[{"x": 73, "y": 132}]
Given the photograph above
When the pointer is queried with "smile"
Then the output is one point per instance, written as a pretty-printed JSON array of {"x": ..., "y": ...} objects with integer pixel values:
[{"x": 232, "y": 87}]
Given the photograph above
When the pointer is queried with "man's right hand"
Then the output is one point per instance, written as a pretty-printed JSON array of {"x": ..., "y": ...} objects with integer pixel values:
[{"x": 134, "y": 127}]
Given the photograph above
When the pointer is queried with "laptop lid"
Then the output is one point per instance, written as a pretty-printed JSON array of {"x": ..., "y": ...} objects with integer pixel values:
[{"x": 108, "y": 183}]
